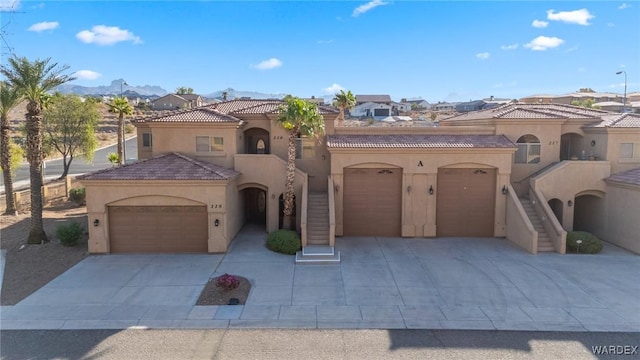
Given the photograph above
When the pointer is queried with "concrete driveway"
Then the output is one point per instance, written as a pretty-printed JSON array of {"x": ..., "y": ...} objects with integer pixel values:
[{"x": 381, "y": 283}]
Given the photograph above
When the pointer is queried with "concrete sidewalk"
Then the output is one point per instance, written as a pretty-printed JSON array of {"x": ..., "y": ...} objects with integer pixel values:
[{"x": 388, "y": 283}]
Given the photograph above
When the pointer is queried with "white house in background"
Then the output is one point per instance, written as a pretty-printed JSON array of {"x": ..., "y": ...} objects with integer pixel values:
[
  {"x": 444, "y": 106},
  {"x": 377, "y": 99},
  {"x": 419, "y": 103},
  {"x": 370, "y": 109},
  {"x": 609, "y": 106},
  {"x": 400, "y": 107}
]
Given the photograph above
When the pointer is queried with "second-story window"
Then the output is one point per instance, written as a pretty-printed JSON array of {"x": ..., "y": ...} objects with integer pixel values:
[
  {"x": 146, "y": 140},
  {"x": 528, "y": 150},
  {"x": 209, "y": 143},
  {"x": 305, "y": 148}
]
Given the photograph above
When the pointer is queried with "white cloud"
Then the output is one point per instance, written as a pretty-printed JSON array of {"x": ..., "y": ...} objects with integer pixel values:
[
  {"x": 9, "y": 5},
  {"x": 483, "y": 55},
  {"x": 509, "y": 47},
  {"x": 333, "y": 89},
  {"x": 268, "y": 64},
  {"x": 43, "y": 26},
  {"x": 624, "y": 6},
  {"x": 580, "y": 17},
  {"x": 368, "y": 6},
  {"x": 542, "y": 43},
  {"x": 107, "y": 35},
  {"x": 539, "y": 24},
  {"x": 87, "y": 74}
]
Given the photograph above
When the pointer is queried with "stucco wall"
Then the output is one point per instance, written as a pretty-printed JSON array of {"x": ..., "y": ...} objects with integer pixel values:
[
  {"x": 101, "y": 194},
  {"x": 623, "y": 207},
  {"x": 420, "y": 170}
]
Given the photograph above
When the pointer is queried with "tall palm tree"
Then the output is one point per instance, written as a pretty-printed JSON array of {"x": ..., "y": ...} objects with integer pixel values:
[
  {"x": 298, "y": 117},
  {"x": 33, "y": 80},
  {"x": 344, "y": 101},
  {"x": 9, "y": 98},
  {"x": 121, "y": 106}
]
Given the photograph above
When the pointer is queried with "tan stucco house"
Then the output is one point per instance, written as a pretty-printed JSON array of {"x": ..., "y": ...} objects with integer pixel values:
[{"x": 524, "y": 172}]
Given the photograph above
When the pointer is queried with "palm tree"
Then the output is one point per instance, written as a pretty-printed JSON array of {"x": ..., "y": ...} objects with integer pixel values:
[
  {"x": 121, "y": 106},
  {"x": 298, "y": 117},
  {"x": 9, "y": 98},
  {"x": 33, "y": 80},
  {"x": 344, "y": 101}
]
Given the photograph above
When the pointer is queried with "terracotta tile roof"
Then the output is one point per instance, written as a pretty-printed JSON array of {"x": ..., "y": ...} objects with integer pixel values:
[
  {"x": 627, "y": 177},
  {"x": 619, "y": 121},
  {"x": 533, "y": 111},
  {"x": 418, "y": 141},
  {"x": 198, "y": 115},
  {"x": 233, "y": 107},
  {"x": 173, "y": 166}
]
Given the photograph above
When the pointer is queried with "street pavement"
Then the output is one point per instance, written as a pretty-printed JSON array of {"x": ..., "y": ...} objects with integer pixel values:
[
  {"x": 54, "y": 167},
  {"x": 381, "y": 283}
]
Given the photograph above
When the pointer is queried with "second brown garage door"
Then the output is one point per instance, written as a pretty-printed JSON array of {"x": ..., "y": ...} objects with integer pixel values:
[
  {"x": 372, "y": 202},
  {"x": 465, "y": 203},
  {"x": 158, "y": 229}
]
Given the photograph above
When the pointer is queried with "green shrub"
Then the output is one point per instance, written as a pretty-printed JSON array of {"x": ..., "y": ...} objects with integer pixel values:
[
  {"x": 78, "y": 196},
  {"x": 590, "y": 243},
  {"x": 284, "y": 241},
  {"x": 113, "y": 158},
  {"x": 69, "y": 234}
]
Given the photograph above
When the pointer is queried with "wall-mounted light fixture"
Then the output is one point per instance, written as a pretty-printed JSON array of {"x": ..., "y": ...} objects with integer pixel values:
[
  {"x": 593, "y": 143},
  {"x": 337, "y": 188},
  {"x": 409, "y": 188},
  {"x": 569, "y": 203},
  {"x": 96, "y": 222},
  {"x": 323, "y": 157},
  {"x": 216, "y": 223},
  {"x": 430, "y": 189},
  {"x": 505, "y": 190}
]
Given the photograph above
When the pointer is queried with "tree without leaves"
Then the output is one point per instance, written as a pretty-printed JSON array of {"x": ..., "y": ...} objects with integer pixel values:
[
  {"x": 33, "y": 80},
  {"x": 9, "y": 98},
  {"x": 344, "y": 101},
  {"x": 121, "y": 106},
  {"x": 69, "y": 125},
  {"x": 184, "y": 90},
  {"x": 298, "y": 117}
]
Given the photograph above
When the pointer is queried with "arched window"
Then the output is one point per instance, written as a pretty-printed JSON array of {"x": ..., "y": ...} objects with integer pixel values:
[
  {"x": 528, "y": 150},
  {"x": 260, "y": 146}
]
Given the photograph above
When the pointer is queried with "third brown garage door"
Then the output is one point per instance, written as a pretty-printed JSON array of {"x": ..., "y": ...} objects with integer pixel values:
[
  {"x": 158, "y": 229},
  {"x": 372, "y": 202},
  {"x": 465, "y": 203}
]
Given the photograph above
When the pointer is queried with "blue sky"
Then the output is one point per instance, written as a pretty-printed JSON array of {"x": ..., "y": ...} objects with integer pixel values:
[{"x": 440, "y": 51}]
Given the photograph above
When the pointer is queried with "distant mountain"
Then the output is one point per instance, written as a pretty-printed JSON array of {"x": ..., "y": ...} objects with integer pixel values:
[
  {"x": 113, "y": 89},
  {"x": 235, "y": 94}
]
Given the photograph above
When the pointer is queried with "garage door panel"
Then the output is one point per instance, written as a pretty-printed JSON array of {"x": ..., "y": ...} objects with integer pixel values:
[
  {"x": 465, "y": 203},
  {"x": 372, "y": 202},
  {"x": 158, "y": 229}
]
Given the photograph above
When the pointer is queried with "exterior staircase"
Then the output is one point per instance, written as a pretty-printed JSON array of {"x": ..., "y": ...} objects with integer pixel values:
[
  {"x": 318, "y": 250},
  {"x": 544, "y": 242}
]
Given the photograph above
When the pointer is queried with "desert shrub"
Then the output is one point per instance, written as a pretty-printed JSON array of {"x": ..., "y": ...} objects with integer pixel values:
[
  {"x": 128, "y": 128},
  {"x": 227, "y": 282},
  {"x": 284, "y": 241},
  {"x": 113, "y": 158},
  {"x": 69, "y": 234},
  {"x": 590, "y": 243},
  {"x": 78, "y": 196}
]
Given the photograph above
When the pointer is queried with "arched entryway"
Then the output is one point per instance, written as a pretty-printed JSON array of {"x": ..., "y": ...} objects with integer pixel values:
[
  {"x": 256, "y": 141},
  {"x": 255, "y": 205},
  {"x": 588, "y": 213},
  {"x": 557, "y": 208},
  {"x": 572, "y": 146}
]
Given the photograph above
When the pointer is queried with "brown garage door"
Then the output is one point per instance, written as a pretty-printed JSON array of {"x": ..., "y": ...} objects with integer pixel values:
[
  {"x": 372, "y": 202},
  {"x": 158, "y": 229},
  {"x": 465, "y": 202}
]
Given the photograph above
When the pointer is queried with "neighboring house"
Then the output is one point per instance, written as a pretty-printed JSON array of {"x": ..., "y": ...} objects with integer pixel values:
[
  {"x": 419, "y": 104},
  {"x": 444, "y": 106},
  {"x": 206, "y": 172},
  {"x": 397, "y": 107},
  {"x": 315, "y": 100},
  {"x": 177, "y": 102},
  {"x": 610, "y": 106},
  {"x": 376, "y": 99},
  {"x": 371, "y": 109},
  {"x": 568, "y": 99},
  {"x": 474, "y": 105}
]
